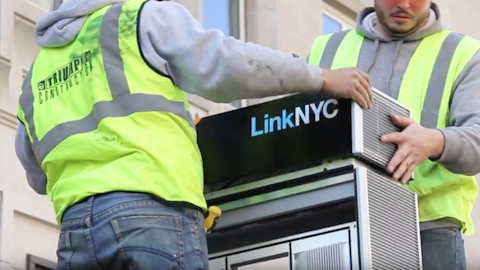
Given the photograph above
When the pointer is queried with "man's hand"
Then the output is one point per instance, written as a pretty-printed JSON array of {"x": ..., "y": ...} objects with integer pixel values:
[
  {"x": 415, "y": 145},
  {"x": 348, "y": 83}
]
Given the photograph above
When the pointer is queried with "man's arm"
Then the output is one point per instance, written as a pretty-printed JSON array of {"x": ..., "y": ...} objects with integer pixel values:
[
  {"x": 218, "y": 68},
  {"x": 461, "y": 153},
  {"x": 35, "y": 176}
]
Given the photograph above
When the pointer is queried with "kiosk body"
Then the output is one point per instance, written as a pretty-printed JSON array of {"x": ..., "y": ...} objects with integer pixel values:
[
  {"x": 342, "y": 215},
  {"x": 306, "y": 187}
]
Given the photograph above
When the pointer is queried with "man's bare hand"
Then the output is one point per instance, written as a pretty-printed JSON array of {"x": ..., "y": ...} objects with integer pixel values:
[
  {"x": 348, "y": 83},
  {"x": 415, "y": 145}
]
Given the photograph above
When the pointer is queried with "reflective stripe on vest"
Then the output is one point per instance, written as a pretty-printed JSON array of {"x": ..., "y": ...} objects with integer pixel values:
[
  {"x": 123, "y": 103},
  {"x": 435, "y": 103}
]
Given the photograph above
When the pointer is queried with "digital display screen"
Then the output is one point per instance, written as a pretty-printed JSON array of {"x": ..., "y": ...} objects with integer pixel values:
[{"x": 273, "y": 136}]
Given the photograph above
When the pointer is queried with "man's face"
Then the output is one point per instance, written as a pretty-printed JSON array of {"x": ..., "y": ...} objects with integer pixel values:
[{"x": 402, "y": 16}]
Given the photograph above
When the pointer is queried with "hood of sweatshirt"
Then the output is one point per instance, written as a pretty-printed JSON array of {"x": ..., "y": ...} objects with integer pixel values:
[
  {"x": 60, "y": 27},
  {"x": 391, "y": 48}
]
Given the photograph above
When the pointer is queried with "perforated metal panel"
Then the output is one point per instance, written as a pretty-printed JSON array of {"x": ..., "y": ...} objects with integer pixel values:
[
  {"x": 376, "y": 122},
  {"x": 329, "y": 257},
  {"x": 393, "y": 224}
]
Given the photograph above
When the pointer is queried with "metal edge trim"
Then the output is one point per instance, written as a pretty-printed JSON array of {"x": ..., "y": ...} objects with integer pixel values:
[
  {"x": 287, "y": 192},
  {"x": 259, "y": 254},
  {"x": 292, "y": 204},
  {"x": 357, "y": 129},
  {"x": 363, "y": 218},
  {"x": 354, "y": 254},
  {"x": 280, "y": 178},
  {"x": 420, "y": 263},
  {"x": 380, "y": 93},
  {"x": 389, "y": 98}
]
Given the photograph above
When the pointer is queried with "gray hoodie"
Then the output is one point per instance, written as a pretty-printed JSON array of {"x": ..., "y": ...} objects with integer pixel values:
[
  {"x": 386, "y": 60},
  {"x": 205, "y": 63}
]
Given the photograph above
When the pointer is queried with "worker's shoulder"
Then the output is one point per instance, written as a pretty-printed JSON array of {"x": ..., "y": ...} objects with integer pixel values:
[
  {"x": 464, "y": 49},
  {"x": 339, "y": 34},
  {"x": 467, "y": 41}
]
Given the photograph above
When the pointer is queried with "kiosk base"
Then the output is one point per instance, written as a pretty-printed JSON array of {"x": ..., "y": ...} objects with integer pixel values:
[
  {"x": 333, "y": 248},
  {"x": 342, "y": 215}
]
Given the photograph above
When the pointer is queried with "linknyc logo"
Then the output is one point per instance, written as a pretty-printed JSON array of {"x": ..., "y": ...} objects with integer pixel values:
[{"x": 301, "y": 115}]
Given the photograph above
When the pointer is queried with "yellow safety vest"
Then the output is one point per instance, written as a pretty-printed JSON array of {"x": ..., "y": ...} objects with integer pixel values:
[
  {"x": 101, "y": 120},
  {"x": 426, "y": 91}
]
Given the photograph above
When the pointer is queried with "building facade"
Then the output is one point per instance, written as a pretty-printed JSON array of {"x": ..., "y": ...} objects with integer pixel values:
[{"x": 28, "y": 232}]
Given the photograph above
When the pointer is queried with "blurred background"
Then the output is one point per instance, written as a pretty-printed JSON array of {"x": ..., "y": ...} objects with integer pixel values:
[{"x": 28, "y": 231}]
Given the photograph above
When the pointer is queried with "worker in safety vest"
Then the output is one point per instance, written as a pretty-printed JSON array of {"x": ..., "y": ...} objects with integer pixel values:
[
  {"x": 106, "y": 130},
  {"x": 410, "y": 56}
]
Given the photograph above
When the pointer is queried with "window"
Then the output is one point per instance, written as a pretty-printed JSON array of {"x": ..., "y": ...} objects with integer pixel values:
[
  {"x": 223, "y": 15},
  {"x": 330, "y": 25},
  {"x": 334, "y": 21},
  {"x": 36, "y": 263}
]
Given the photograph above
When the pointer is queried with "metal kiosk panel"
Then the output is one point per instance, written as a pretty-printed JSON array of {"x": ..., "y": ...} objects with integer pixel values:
[{"x": 384, "y": 220}]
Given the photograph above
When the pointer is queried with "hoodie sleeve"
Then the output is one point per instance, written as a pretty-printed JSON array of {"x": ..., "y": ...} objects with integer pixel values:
[
  {"x": 462, "y": 138},
  {"x": 35, "y": 176},
  {"x": 218, "y": 68}
]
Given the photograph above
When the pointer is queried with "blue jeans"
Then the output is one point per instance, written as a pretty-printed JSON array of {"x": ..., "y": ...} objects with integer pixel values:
[
  {"x": 131, "y": 231},
  {"x": 443, "y": 249}
]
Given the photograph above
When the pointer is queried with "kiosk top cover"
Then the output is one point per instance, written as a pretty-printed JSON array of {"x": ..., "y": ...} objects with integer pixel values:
[{"x": 293, "y": 131}]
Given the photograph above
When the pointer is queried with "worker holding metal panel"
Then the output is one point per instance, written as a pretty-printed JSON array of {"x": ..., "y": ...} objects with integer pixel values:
[{"x": 404, "y": 47}]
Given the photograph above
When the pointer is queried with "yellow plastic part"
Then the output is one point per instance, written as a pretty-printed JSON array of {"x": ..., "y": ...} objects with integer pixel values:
[{"x": 214, "y": 213}]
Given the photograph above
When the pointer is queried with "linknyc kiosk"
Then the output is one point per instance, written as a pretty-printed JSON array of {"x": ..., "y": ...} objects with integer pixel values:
[{"x": 302, "y": 185}]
